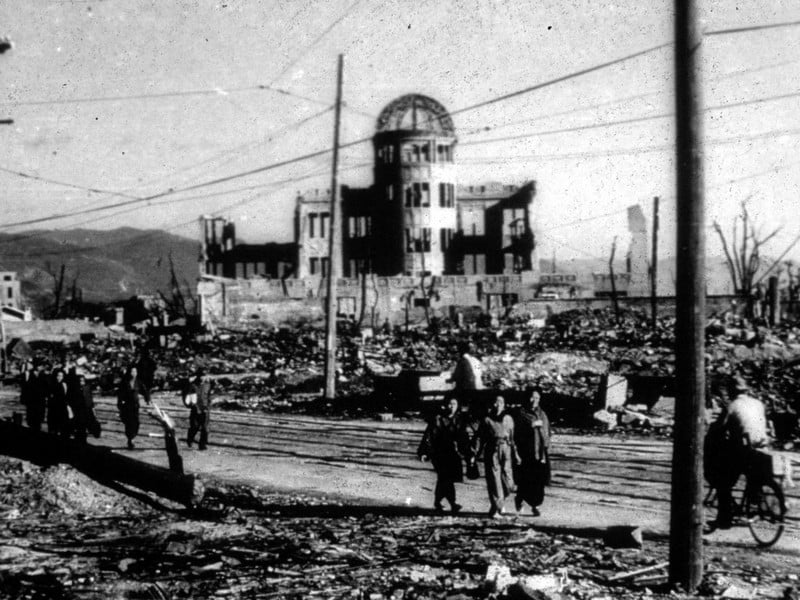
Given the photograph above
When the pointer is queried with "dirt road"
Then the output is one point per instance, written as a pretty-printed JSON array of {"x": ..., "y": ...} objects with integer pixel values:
[{"x": 598, "y": 480}]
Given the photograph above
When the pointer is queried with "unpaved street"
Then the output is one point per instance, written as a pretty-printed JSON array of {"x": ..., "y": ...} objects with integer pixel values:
[{"x": 599, "y": 480}]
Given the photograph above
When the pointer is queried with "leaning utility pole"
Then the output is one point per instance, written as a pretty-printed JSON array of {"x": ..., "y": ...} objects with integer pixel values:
[
  {"x": 333, "y": 251},
  {"x": 686, "y": 517},
  {"x": 654, "y": 265}
]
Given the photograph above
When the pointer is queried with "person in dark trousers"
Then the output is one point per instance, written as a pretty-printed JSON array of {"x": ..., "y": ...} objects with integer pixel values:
[
  {"x": 146, "y": 367},
  {"x": 129, "y": 396},
  {"x": 730, "y": 443},
  {"x": 58, "y": 411},
  {"x": 197, "y": 397},
  {"x": 33, "y": 394},
  {"x": 495, "y": 440},
  {"x": 532, "y": 441},
  {"x": 82, "y": 404},
  {"x": 444, "y": 442}
]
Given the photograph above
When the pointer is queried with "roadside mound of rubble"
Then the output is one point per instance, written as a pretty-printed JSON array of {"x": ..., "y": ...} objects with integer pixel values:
[
  {"x": 27, "y": 489},
  {"x": 246, "y": 542}
]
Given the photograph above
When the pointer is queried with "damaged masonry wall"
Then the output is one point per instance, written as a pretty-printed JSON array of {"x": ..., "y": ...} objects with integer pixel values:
[{"x": 392, "y": 298}]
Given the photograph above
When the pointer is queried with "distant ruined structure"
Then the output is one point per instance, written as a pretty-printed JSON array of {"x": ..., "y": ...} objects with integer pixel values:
[{"x": 413, "y": 244}]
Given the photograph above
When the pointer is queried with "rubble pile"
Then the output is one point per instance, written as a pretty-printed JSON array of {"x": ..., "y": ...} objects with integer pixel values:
[
  {"x": 564, "y": 356},
  {"x": 243, "y": 542}
]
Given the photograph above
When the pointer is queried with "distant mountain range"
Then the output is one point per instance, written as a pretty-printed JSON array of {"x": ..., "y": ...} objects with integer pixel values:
[{"x": 104, "y": 265}]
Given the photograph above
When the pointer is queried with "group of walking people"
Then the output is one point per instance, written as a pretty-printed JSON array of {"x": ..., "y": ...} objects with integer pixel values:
[
  {"x": 64, "y": 400},
  {"x": 512, "y": 445},
  {"x": 61, "y": 399}
]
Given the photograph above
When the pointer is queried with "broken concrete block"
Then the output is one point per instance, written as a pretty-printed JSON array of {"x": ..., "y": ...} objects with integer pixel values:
[
  {"x": 603, "y": 417},
  {"x": 125, "y": 564},
  {"x": 737, "y": 592},
  {"x": 498, "y": 578},
  {"x": 616, "y": 390},
  {"x": 665, "y": 406},
  {"x": 623, "y": 536}
]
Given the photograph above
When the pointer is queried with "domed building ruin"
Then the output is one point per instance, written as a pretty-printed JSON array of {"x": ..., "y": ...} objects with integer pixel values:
[{"x": 414, "y": 222}]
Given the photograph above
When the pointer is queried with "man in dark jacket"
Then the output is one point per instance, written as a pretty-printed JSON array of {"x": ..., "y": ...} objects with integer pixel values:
[
  {"x": 444, "y": 442},
  {"x": 82, "y": 405},
  {"x": 129, "y": 395},
  {"x": 33, "y": 394},
  {"x": 58, "y": 411},
  {"x": 197, "y": 397}
]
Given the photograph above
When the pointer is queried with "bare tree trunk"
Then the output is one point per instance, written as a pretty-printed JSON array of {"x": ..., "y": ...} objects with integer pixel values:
[{"x": 59, "y": 288}]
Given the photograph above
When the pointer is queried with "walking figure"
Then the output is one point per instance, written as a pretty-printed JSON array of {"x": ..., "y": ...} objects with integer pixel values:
[
  {"x": 129, "y": 395},
  {"x": 33, "y": 395},
  {"x": 532, "y": 440},
  {"x": 444, "y": 442},
  {"x": 495, "y": 439},
  {"x": 197, "y": 397},
  {"x": 58, "y": 410}
]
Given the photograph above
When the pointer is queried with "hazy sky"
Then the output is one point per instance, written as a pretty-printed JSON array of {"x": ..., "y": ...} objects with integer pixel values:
[{"x": 102, "y": 95}]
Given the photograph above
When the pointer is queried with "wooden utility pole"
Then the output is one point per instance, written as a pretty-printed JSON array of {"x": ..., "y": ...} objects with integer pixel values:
[
  {"x": 686, "y": 517},
  {"x": 334, "y": 247},
  {"x": 613, "y": 280},
  {"x": 654, "y": 265}
]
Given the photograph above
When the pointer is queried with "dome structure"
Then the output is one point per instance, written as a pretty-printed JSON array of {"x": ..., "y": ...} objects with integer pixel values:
[{"x": 415, "y": 112}]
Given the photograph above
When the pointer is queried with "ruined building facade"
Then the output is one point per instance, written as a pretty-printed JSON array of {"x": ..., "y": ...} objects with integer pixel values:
[
  {"x": 413, "y": 221},
  {"x": 414, "y": 241}
]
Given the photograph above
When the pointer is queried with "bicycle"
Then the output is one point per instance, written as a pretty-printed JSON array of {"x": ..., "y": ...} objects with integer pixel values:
[{"x": 760, "y": 502}]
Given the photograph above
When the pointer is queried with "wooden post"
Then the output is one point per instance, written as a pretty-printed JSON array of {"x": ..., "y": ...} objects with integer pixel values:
[
  {"x": 614, "y": 299},
  {"x": 686, "y": 517},
  {"x": 774, "y": 301},
  {"x": 4, "y": 366},
  {"x": 333, "y": 251},
  {"x": 654, "y": 266}
]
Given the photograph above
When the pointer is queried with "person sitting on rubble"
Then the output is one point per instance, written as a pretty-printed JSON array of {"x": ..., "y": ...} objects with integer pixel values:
[
  {"x": 445, "y": 443},
  {"x": 468, "y": 372},
  {"x": 738, "y": 431},
  {"x": 495, "y": 440},
  {"x": 129, "y": 395},
  {"x": 197, "y": 397}
]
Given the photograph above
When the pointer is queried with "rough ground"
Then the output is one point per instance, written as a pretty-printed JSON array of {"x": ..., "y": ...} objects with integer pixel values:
[
  {"x": 245, "y": 542},
  {"x": 365, "y": 530}
]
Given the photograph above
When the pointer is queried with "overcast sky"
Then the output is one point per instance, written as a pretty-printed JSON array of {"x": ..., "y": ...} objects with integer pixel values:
[{"x": 140, "y": 97}]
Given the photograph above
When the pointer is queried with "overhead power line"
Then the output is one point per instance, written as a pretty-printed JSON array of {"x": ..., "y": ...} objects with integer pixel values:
[
  {"x": 624, "y": 99},
  {"x": 561, "y": 79},
  {"x": 64, "y": 183},
  {"x": 628, "y": 151},
  {"x": 284, "y": 184},
  {"x": 286, "y": 162},
  {"x": 362, "y": 140},
  {"x": 628, "y": 121},
  {"x": 752, "y": 28},
  {"x": 219, "y": 91},
  {"x": 315, "y": 41}
]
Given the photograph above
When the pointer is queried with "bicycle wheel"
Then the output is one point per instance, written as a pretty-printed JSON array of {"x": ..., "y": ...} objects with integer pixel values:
[{"x": 765, "y": 511}]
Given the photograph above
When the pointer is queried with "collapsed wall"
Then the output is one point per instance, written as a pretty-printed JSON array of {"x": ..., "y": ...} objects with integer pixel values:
[{"x": 395, "y": 299}]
